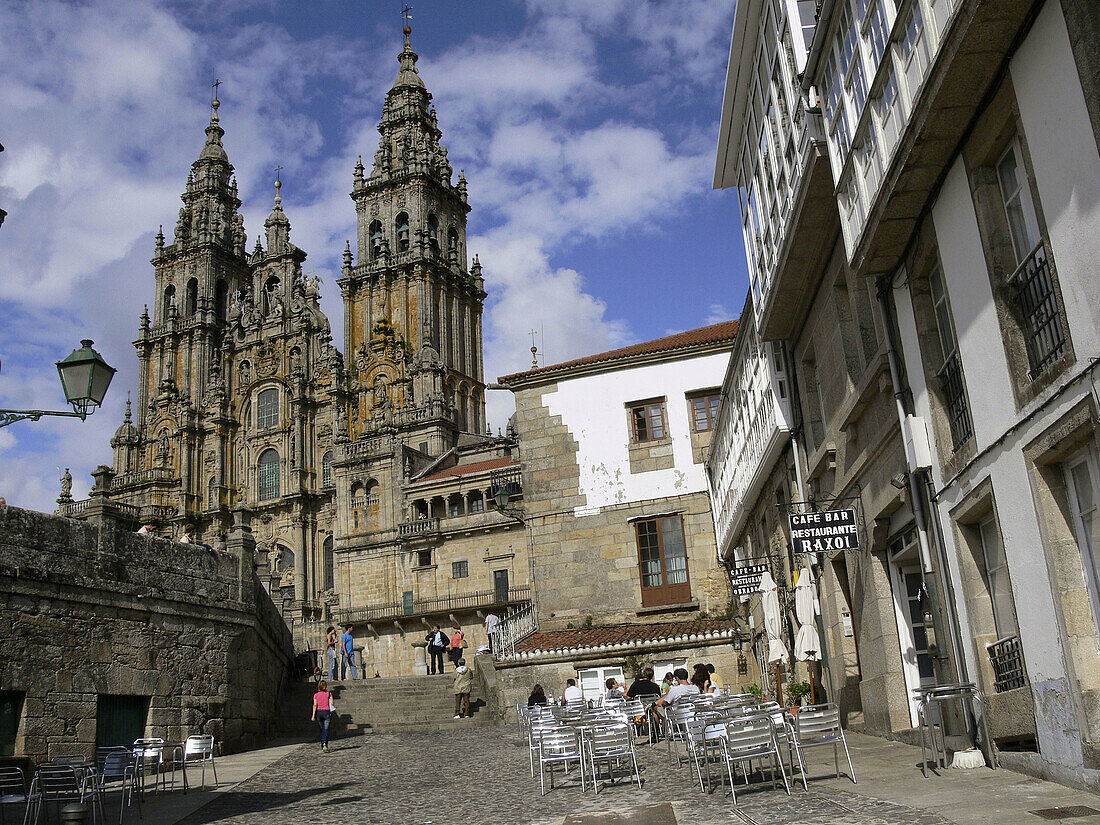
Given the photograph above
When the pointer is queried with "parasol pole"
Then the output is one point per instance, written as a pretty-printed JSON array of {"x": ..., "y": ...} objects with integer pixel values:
[{"x": 779, "y": 682}]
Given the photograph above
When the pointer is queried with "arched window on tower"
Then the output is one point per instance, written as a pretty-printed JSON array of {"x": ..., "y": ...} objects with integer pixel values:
[
  {"x": 452, "y": 243},
  {"x": 267, "y": 475},
  {"x": 375, "y": 233},
  {"x": 433, "y": 234},
  {"x": 221, "y": 299},
  {"x": 402, "y": 224},
  {"x": 169, "y": 299},
  {"x": 326, "y": 469},
  {"x": 329, "y": 564},
  {"x": 192, "y": 296}
]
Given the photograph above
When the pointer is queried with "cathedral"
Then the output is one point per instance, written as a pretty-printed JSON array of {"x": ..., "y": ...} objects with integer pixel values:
[{"x": 369, "y": 474}]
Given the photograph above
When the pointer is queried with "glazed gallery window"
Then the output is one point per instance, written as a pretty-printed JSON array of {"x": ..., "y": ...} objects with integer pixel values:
[
  {"x": 330, "y": 564},
  {"x": 1083, "y": 487},
  {"x": 648, "y": 421},
  {"x": 326, "y": 469},
  {"x": 662, "y": 561},
  {"x": 267, "y": 409},
  {"x": 704, "y": 411},
  {"x": 267, "y": 475}
]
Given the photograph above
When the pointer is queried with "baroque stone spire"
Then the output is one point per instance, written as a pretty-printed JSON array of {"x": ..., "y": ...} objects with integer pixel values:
[
  {"x": 277, "y": 225},
  {"x": 410, "y": 142}
]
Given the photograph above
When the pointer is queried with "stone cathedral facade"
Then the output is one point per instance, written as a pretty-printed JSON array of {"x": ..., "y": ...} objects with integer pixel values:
[{"x": 366, "y": 476}]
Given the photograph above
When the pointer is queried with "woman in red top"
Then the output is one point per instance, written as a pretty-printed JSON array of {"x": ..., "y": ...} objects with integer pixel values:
[
  {"x": 458, "y": 641},
  {"x": 323, "y": 708}
]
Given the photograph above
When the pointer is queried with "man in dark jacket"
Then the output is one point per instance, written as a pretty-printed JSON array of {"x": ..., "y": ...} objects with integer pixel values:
[{"x": 437, "y": 642}]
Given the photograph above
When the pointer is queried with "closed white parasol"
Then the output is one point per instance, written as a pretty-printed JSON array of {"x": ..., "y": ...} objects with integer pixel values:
[
  {"x": 773, "y": 622},
  {"x": 807, "y": 643}
]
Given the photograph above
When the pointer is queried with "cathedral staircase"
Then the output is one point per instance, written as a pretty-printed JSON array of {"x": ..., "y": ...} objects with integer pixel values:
[{"x": 402, "y": 703}]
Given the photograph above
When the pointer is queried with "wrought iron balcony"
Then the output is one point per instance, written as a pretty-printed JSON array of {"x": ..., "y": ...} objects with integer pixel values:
[
  {"x": 954, "y": 396},
  {"x": 1008, "y": 664},
  {"x": 446, "y": 604},
  {"x": 1037, "y": 303}
]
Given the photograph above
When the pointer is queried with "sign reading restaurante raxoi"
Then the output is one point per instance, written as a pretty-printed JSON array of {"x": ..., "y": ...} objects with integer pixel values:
[{"x": 829, "y": 531}]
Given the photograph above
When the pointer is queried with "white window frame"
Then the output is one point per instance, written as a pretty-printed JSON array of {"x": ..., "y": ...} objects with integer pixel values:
[
  {"x": 1021, "y": 247},
  {"x": 1090, "y": 563},
  {"x": 997, "y": 574},
  {"x": 591, "y": 680}
]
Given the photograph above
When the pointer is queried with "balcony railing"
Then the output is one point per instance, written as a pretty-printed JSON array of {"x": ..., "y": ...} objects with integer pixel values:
[
  {"x": 1008, "y": 664},
  {"x": 1037, "y": 303},
  {"x": 419, "y": 527},
  {"x": 511, "y": 480},
  {"x": 517, "y": 625},
  {"x": 954, "y": 395},
  {"x": 445, "y": 604},
  {"x": 160, "y": 474}
]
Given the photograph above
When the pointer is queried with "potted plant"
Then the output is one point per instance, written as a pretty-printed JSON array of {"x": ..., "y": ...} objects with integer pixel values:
[
  {"x": 754, "y": 689},
  {"x": 796, "y": 690}
]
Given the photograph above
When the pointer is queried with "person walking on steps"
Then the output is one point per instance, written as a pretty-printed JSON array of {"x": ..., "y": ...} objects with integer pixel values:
[
  {"x": 438, "y": 641},
  {"x": 464, "y": 680},
  {"x": 330, "y": 652},
  {"x": 458, "y": 642},
  {"x": 323, "y": 708},
  {"x": 347, "y": 655}
]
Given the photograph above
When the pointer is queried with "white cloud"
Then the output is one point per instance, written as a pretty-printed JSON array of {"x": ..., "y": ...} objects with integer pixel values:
[{"x": 105, "y": 108}]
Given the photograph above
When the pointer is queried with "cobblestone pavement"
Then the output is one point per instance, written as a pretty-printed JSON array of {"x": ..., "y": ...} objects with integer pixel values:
[{"x": 480, "y": 775}]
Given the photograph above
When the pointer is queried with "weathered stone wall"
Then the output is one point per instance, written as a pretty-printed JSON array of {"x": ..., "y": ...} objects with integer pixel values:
[{"x": 88, "y": 610}]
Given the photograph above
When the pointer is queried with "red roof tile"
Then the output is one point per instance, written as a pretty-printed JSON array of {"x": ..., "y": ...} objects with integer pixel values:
[
  {"x": 466, "y": 469},
  {"x": 617, "y": 633},
  {"x": 725, "y": 331}
]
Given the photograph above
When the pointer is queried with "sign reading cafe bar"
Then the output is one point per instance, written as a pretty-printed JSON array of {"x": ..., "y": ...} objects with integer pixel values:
[{"x": 829, "y": 531}]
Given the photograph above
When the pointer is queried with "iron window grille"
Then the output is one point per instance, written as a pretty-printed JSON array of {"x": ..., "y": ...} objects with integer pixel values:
[
  {"x": 954, "y": 392},
  {"x": 1037, "y": 303},
  {"x": 1008, "y": 664}
]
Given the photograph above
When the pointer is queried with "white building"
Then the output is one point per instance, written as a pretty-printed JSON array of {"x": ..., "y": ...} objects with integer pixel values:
[{"x": 963, "y": 137}]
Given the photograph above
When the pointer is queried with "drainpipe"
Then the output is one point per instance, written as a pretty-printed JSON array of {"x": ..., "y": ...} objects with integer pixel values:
[{"x": 915, "y": 476}]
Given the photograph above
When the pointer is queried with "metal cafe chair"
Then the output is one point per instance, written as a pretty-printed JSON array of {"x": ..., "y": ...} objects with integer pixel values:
[
  {"x": 748, "y": 738},
  {"x": 559, "y": 746},
  {"x": 819, "y": 726},
  {"x": 117, "y": 771},
  {"x": 612, "y": 744},
  {"x": 199, "y": 748},
  {"x": 14, "y": 791},
  {"x": 61, "y": 784},
  {"x": 149, "y": 754}
]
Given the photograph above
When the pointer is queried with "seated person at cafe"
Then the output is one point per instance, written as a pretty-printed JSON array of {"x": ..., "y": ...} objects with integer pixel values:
[
  {"x": 643, "y": 685},
  {"x": 572, "y": 692},
  {"x": 682, "y": 687}
]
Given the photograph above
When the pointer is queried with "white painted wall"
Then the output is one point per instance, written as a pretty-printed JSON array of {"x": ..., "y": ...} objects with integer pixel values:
[
  {"x": 1067, "y": 168},
  {"x": 593, "y": 407},
  {"x": 1066, "y": 165}
]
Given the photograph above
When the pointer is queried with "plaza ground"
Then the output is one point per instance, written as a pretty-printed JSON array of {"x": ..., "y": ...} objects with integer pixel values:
[{"x": 480, "y": 775}]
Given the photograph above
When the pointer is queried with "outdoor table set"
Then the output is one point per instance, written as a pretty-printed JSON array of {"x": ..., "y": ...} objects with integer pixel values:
[
  {"x": 931, "y": 705},
  {"x": 76, "y": 778},
  {"x": 734, "y": 731}
]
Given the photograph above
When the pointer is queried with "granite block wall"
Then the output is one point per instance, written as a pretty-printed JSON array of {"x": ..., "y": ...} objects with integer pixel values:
[{"x": 88, "y": 610}]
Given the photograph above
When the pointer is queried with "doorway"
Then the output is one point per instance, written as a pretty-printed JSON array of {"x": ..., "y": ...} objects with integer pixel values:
[{"x": 906, "y": 582}]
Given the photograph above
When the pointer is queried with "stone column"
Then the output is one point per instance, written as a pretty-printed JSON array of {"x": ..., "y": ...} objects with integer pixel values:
[
  {"x": 242, "y": 544},
  {"x": 420, "y": 658}
]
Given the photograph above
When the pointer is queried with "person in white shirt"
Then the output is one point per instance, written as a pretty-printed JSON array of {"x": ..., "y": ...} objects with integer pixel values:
[
  {"x": 682, "y": 687},
  {"x": 572, "y": 692}
]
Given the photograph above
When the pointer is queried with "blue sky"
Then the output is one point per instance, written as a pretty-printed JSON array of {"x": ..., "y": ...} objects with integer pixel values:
[{"x": 586, "y": 130}]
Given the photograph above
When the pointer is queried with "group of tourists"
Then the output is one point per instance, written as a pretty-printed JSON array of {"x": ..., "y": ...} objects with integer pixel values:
[
  {"x": 440, "y": 643},
  {"x": 675, "y": 685},
  {"x": 340, "y": 649}
]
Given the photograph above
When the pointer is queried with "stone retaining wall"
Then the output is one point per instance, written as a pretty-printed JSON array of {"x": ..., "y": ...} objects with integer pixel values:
[{"x": 88, "y": 610}]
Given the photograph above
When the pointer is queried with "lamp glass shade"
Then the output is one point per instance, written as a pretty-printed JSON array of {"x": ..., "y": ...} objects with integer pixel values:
[
  {"x": 500, "y": 496},
  {"x": 85, "y": 377}
]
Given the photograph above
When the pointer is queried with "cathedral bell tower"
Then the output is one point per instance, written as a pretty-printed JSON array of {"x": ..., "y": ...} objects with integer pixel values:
[
  {"x": 412, "y": 304},
  {"x": 180, "y": 348}
]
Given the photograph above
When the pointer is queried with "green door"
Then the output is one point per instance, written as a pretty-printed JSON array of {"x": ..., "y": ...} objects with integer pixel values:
[{"x": 120, "y": 720}]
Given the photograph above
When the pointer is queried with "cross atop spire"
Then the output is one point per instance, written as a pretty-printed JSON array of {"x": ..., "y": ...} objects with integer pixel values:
[{"x": 406, "y": 13}]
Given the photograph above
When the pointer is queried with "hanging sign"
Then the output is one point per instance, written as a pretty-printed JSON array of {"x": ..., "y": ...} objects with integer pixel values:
[
  {"x": 829, "y": 531},
  {"x": 746, "y": 579}
]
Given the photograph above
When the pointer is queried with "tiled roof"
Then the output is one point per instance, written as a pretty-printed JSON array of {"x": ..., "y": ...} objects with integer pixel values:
[
  {"x": 725, "y": 331},
  {"x": 466, "y": 469},
  {"x": 619, "y": 634}
]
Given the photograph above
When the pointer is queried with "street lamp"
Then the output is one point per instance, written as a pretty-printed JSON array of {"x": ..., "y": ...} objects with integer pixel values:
[
  {"x": 85, "y": 377},
  {"x": 501, "y": 497}
]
